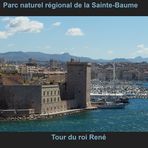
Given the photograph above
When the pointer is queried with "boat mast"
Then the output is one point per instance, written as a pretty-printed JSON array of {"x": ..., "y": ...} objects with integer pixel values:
[{"x": 114, "y": 76}]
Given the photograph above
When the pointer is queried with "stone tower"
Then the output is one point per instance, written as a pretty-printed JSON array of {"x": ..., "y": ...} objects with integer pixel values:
[{"x": 78, "y": 83}]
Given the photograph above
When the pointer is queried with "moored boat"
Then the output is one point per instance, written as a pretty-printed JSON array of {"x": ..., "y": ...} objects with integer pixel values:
[
  {"x": 122, "y": 100},
  {"x": 112, "y": 105}
]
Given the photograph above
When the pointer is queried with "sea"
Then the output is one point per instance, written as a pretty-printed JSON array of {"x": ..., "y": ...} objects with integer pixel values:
[{"x": 133, "y": 118}]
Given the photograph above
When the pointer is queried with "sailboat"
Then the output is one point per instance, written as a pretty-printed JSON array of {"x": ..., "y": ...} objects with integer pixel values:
[{"x": 110, "y": 100}]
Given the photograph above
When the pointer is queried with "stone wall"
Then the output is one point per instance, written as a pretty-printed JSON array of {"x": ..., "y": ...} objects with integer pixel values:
[{"x": 21, "y": 97}]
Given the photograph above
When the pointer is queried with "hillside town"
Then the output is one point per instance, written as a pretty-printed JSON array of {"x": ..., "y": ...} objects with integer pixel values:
[
  {"x": 53, "y": 71},
  {"x": 32, "y": 73}
]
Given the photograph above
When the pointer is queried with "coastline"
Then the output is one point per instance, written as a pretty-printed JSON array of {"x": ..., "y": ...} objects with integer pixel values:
[{"x": 45, "y": 116}]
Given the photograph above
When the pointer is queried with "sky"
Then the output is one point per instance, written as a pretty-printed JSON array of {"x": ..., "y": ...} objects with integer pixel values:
[{"x": 95, "y": 37}]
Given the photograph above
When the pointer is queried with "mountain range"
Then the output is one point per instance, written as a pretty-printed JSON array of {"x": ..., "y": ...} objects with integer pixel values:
[{"x": 39, "y": 56}]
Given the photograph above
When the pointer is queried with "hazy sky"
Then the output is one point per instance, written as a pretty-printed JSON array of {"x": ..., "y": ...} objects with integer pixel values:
[{"x": 95, "y": 37}]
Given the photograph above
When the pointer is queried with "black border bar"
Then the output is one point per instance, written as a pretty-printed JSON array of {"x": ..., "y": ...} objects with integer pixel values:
[
  {"x": 142, "y": 9},
  {"x": 40, "y": 139}
]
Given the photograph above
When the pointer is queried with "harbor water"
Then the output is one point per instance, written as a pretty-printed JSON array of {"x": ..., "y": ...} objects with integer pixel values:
[{"x": 133, "y": 118}]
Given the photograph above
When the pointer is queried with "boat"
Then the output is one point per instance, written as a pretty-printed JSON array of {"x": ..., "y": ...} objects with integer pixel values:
[
  {"x": 110, "y": 100},
  {"x": 122, "y": 100},
  {"x": 112, "y": 105},
  {"x": 109, "y": 103},
  {"x": 112, "y": 97}
]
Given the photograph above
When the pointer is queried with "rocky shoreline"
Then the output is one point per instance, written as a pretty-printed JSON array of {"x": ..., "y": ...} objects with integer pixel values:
[{"x": 44, "y": 116}]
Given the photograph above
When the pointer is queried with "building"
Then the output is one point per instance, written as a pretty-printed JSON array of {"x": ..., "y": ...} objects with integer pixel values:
[
  {"x": 51, "y": 100},
  {"x": 78, "y": 82},
  {"x": 29, "y": 68},
  {"x": 9, "y": 68},
  {"x": 56, "y": 76},
  {"x": 43, "y": 98},
  {"x": 46, "y": 99},
  {"x": 145, "y": 75}
]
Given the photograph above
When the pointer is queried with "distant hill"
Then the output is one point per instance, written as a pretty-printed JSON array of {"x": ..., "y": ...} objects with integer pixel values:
[
  {"x": 139, "y": 59},
  {"x": 24, "y": 56}
]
